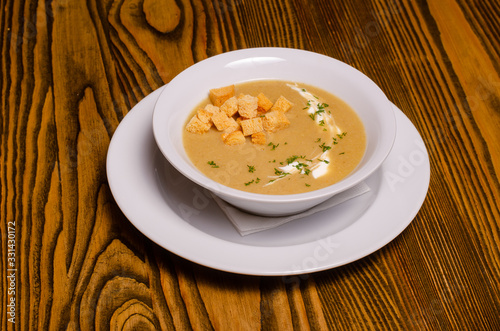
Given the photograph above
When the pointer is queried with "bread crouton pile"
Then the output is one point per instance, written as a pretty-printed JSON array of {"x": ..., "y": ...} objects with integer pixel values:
[{"x": 240, "y": 117}]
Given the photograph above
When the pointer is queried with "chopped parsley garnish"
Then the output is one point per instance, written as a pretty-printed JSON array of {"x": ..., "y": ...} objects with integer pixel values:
[
  {"x": 321, "y": 109},
  {"x": 251, "y": 168},
  {"x": 342, "y": 135},
  {"x": 294, "y": 158},
  {"x": 324, "y": 147},
  {"x": 342, "y": 153},
  {"x": 308, "y": 185},
  {"x": 212, "y": 164},
  {"x": 256, "y": 181},
  {"x": 302, "y": 168},
  {"x": 291, "y": 159},
  {"x": 305, "y": 171},
  {"x": 273, "y": 146},
  {"x": 280, "y": 173}
]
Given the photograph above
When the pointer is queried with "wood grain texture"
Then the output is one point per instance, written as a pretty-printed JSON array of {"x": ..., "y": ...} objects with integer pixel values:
[{"x": 71, "y": 70}]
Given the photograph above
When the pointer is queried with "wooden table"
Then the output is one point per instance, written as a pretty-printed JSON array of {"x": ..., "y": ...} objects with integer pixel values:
[{"x": 70, "y": 72}]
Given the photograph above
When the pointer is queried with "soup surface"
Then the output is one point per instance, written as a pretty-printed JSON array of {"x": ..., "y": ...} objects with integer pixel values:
[{"x": 322, "y": 144}]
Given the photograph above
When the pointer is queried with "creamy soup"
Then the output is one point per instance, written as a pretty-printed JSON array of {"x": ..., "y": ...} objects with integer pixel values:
[{"x": 322, "y": 144}]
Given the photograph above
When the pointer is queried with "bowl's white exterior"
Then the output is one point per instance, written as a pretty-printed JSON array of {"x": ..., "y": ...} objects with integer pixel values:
[{"x": 186, "y": 90}]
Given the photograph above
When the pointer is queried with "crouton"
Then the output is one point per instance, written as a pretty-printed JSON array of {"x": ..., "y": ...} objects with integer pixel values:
[
  {"x": 247, "y": 106},
  {"x": 259, "y": 138},
  {"x": 204, "y": 115},
  {"x": 251, "y": 126},
  {"x": 230, "y": 106},
  {"x": 241, "y": 118},
  {"x": 275, "y": 120},
  {"x": 234, "y": 138},
  {"x": 282, "y": 104},
  {"x": 219, "y": 95},
  {"x": 232, "y": 125},
  {"x": 212, "y": 109},
  {"x": 221, "y": 121},
  {"x": 263, "y": 104},
  {"x": 195, "y": 125}
]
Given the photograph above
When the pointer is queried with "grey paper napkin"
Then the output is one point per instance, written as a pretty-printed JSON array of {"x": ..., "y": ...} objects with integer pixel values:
[{"x": 247, "y": 223}]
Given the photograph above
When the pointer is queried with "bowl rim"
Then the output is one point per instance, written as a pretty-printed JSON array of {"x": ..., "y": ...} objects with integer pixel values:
[{"x": 191, "y": 172}]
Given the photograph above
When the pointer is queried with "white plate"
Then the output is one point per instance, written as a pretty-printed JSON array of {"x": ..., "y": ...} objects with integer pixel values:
[{"x": 181, "y": 217}]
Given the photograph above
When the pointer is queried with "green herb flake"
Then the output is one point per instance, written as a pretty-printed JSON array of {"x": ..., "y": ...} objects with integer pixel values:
[
  {"x": 273, "y": 146},
  {"x": 324, "y": 147},
  {"x": 280, "y": 173},
  {"x": 212, "y": 164},
  {"x": 250, "y": 168},
  {"x": 291, "y": 159}
]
